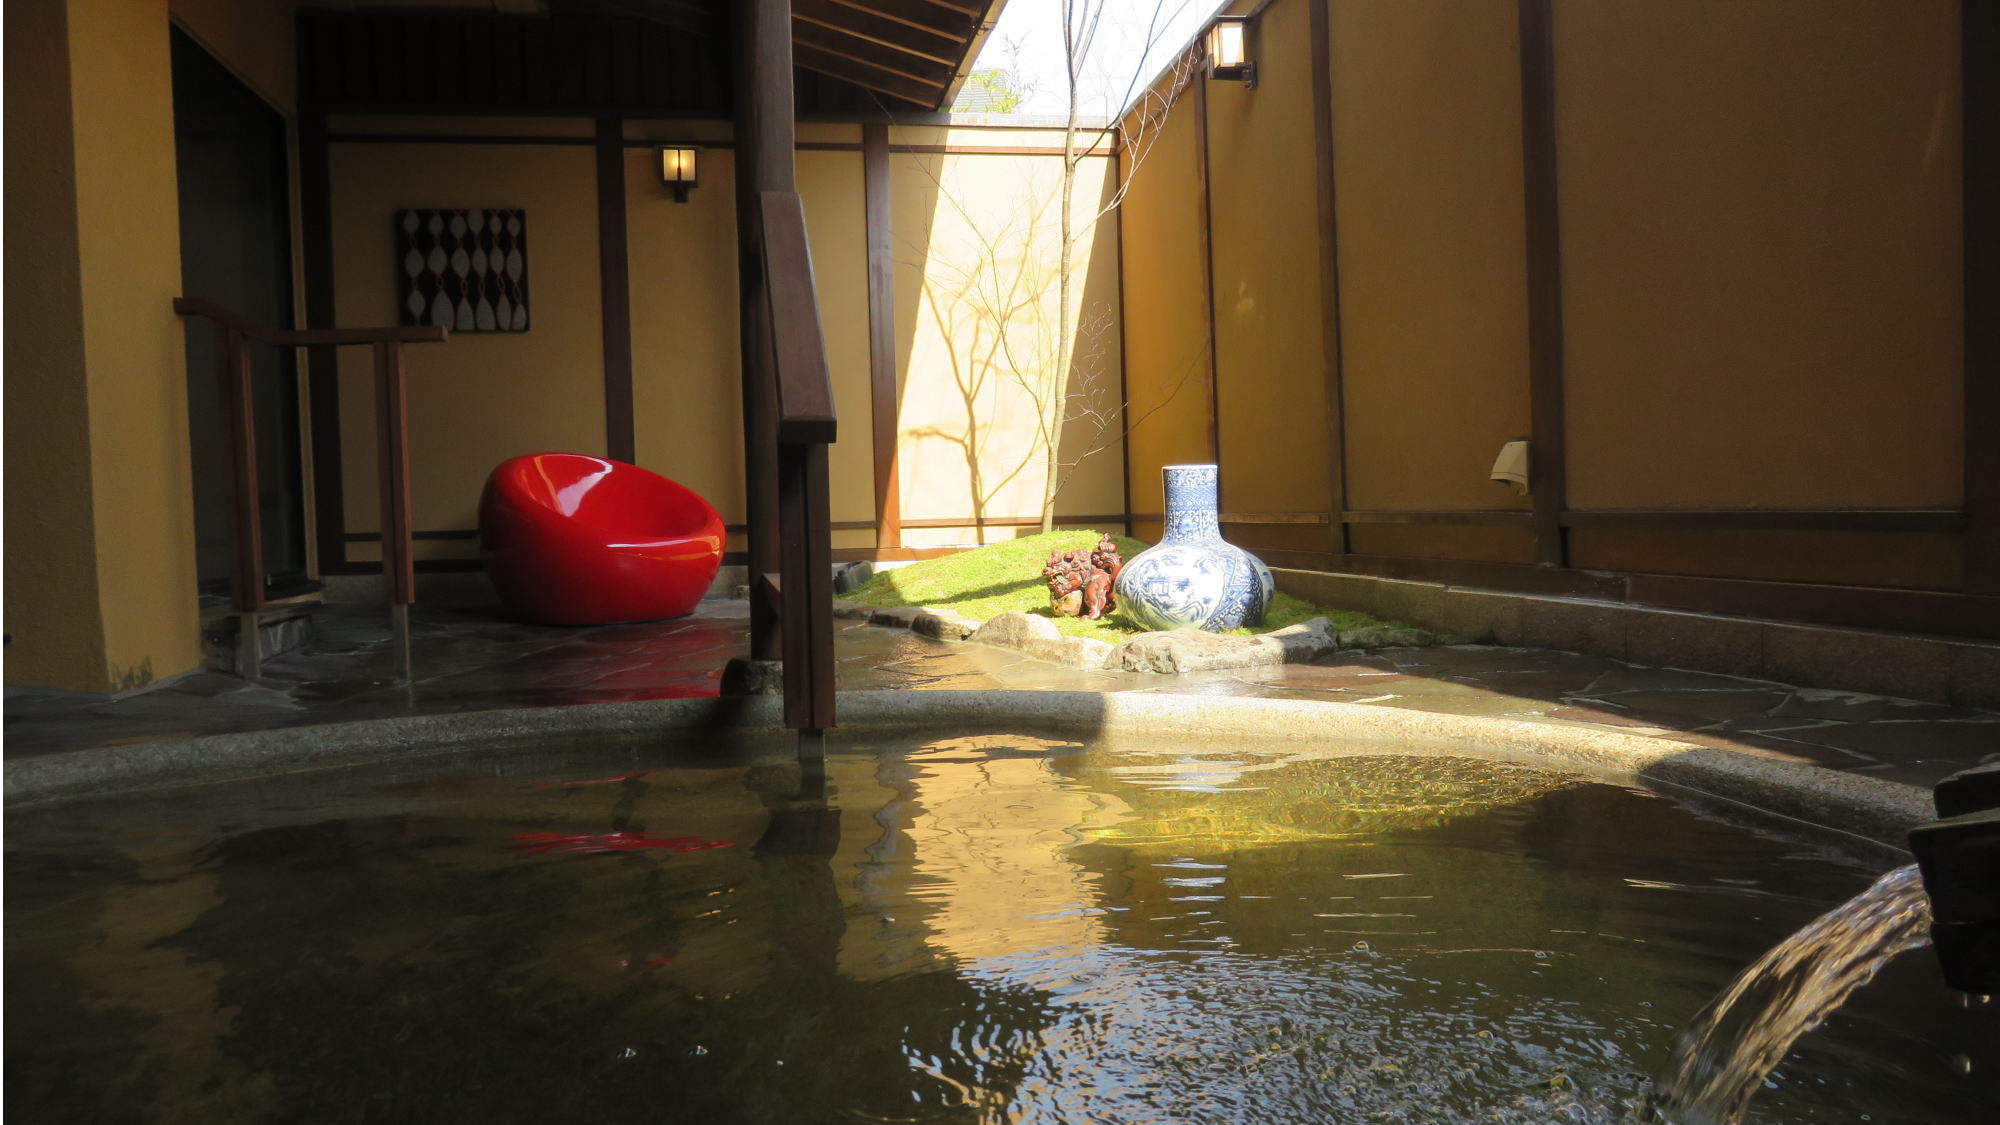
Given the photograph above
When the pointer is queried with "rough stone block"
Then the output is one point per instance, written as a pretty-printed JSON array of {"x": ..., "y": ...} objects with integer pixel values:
[
  {"x": 1387, "y": 636},
  {"x": 1671, "y": 639},
  {"x": 1416, "y": 603},
  {"x": 1478, "y": 615},
  {"x": 852, "y": 611},
  {"x": 1597, "y": 628},
  {"x": 1881, "y": 663},
  {"x": 1340, "y": 591},
  {"x": 1975, "y": 675}
]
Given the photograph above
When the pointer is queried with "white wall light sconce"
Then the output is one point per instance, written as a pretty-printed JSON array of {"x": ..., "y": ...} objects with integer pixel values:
[{"x": 1229, "y": 51}]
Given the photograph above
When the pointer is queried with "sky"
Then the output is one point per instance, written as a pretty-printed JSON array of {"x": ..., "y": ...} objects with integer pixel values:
[{"x": 1028, "y": 43}]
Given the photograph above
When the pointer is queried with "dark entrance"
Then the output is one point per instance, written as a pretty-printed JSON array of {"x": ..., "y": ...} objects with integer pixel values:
[{"x": 236, "y": 251}]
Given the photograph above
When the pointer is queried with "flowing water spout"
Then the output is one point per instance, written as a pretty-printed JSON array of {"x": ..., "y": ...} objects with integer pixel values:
[{"x": 1724, "y": 1055}]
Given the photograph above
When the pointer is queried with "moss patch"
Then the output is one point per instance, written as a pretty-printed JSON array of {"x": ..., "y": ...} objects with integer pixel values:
[{"x": 984, "y": 583}]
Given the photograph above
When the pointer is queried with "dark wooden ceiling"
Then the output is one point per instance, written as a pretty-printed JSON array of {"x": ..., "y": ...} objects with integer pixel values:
[
  {"x": 635, "y": 55},
  {"x": 918, "y": 51}
]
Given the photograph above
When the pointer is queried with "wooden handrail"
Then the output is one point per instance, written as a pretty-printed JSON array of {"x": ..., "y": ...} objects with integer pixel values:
[
  {"x": 308, "y": 337},
  {"x": 805, "y": 426},
  {"x": 232, "y": 331},
  {"x": 805, "y": 386}
]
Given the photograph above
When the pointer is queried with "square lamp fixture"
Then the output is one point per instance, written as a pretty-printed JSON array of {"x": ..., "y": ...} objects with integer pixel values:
[
  {"x": 1228, "y": 51},
  {"x": 677, "y": 168}
]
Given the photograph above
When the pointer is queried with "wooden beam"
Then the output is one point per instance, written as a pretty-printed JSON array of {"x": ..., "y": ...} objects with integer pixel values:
[
  {"x": 1934, "y": 520},
  {"x": 764, "y": 136},
  {"x": 1331, "y": 359},
  {"x": 924, "y": 43},
  {"x": 1548, "y": 456},
  {"x": 918, "y": 14},
  {"x": 909, "y": 68},
  {"x": 1465, "y": 518},
  {"x": 1980, "y": 112},
  {"x": 615, "y": 290},
  {"x": 883, "y": 394},
  {"x": 817, "y": 61}
]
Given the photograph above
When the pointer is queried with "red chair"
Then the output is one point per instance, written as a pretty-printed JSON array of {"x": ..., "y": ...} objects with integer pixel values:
[{"x": 570, "y": 539}]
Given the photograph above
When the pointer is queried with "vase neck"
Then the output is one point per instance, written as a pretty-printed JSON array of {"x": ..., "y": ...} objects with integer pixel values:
[{"x": 1191, "y": 502}]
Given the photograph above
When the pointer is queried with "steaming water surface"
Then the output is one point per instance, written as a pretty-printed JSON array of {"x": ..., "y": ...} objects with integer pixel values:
[{"x": 978, "y": 929}]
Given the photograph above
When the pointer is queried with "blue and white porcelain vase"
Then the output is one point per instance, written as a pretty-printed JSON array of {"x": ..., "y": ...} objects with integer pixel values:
[{"x": 1192, "y": 577}]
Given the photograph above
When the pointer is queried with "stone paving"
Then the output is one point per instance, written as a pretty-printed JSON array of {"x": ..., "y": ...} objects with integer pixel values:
[{"x": 472, "y": 660}]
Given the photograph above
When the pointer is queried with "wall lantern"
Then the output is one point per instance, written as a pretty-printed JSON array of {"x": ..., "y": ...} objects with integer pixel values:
[
  {"x": 1228, "y": 51},
  {"x": 677, "y": 168}
]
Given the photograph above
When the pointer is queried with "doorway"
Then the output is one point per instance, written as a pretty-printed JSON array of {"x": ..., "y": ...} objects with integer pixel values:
[{"x": 236, "y": 250}]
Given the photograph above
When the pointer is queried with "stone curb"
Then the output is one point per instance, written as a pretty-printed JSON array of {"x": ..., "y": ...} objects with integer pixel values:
[
  {"x": 1869, "y": 807},
  {"x": 1167, "y": 652}
]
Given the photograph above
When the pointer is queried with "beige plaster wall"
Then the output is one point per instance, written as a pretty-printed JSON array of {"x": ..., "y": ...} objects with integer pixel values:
[{"x": 976, "y": 242}]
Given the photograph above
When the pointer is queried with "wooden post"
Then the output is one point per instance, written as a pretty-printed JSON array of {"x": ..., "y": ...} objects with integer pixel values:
[
  {"x": 1548, "y": 456},
  {"x": 239, "y": 424},
  {"x": 883, "y": 396},
  {"x": 393, "y": 468},
  {"x": 764, "y": 141}
]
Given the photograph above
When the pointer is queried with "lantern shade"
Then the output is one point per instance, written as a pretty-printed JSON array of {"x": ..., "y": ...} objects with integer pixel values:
[
  {"x": 1229, "y": 51},
  {"x": 678, "y": 169}
]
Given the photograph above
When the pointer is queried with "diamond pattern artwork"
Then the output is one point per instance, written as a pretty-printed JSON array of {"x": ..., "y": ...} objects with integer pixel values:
[{"x": 465, "y": 269}]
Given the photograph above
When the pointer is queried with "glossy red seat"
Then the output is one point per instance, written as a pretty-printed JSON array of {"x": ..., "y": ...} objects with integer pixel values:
[{"x": 570, "y": 539}]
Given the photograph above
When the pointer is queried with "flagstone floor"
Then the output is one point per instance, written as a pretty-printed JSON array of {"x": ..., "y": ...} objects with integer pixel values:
[{"x": 471, "y": 660}]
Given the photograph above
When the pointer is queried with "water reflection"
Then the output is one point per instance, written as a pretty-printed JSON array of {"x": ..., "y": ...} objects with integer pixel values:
[{"x": 977, "y": 929}]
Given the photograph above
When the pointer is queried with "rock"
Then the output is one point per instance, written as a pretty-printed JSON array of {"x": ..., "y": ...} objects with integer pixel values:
[
  {"x": 1075, "y": 652},
  {"x": 1305, "y": 642},
  {"x": 1013, "y": 630},
  {"x": 1387, "y": 636},
  {"x": 1189, "y": 649},
  {"x": 852, "y": 610},
  {"x": 898, "y": 616},
  {"x": 944, "y": 625},
  {"x": 851, "y": 576}
]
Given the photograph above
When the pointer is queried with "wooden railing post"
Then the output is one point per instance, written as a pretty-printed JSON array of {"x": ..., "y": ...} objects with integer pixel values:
[
  {"x": 232, "y": 332},
  {"x": 806, "y": 425},
  {"x": 239, "y": 426},
  {"x": 392, "y": 443}
]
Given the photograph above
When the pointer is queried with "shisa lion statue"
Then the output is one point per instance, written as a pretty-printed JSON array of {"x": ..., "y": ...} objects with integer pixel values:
[{"x": 1080, "y": 581}]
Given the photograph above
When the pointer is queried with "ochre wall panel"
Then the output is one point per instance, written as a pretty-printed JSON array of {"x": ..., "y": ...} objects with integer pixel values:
[
  {"x": 1433, "y": 310},
  {"x": 1271, "y": 393},
  {"x": 1760, "y": 206},
  {"x": 481, "y": 397},
  {"x": 54, "y": 623},
  {"x": 1436, "y": 541},
  {"x": 1934, "y": 562},
  {"x": 1166, "y": 302},
  {"x": 831, "y": 185},
  {"x": 128, "y": 248},
  {"x": 687, "y": 382}
]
